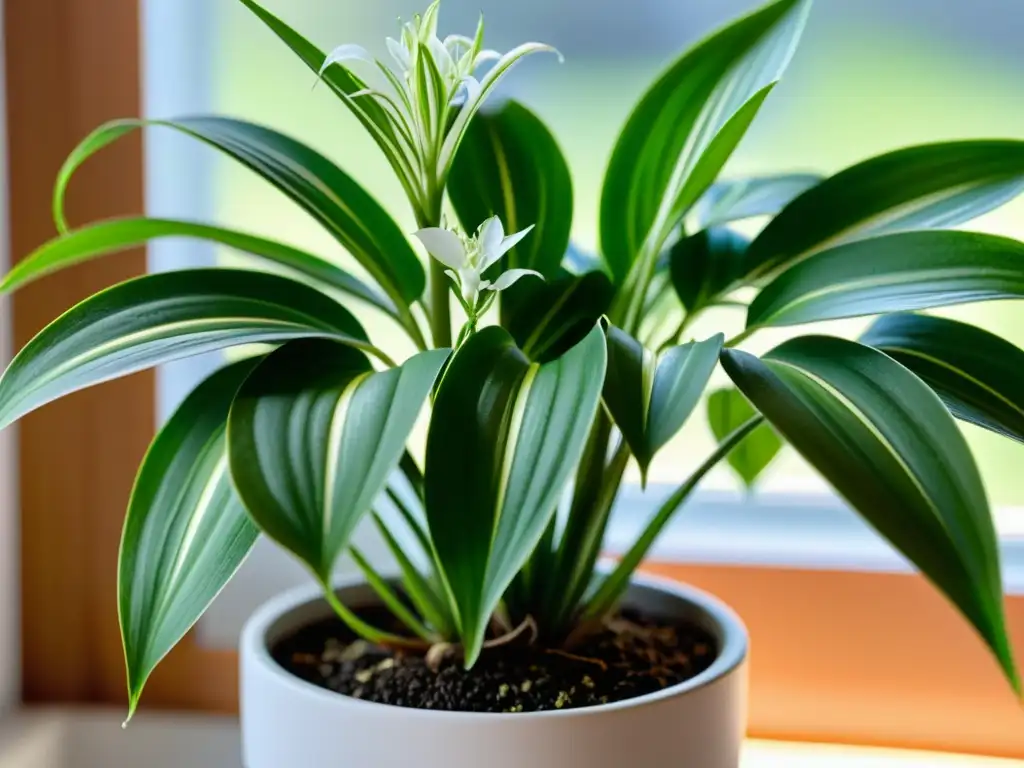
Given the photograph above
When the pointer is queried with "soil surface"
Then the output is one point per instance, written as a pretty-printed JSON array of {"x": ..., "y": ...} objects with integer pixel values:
[{"x": 631, "y": 656}]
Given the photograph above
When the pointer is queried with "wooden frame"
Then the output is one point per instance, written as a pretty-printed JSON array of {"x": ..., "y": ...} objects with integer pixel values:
[
  {"x": 869, "y": 658},
  {"x": 70, "y": 65}
]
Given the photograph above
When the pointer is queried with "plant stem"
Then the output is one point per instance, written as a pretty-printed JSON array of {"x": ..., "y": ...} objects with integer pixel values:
[
  {"x": 368, "y": 632},
  {"x": 611, "y": 590},
  {"x": 742, "y": 336},
  {"x": 411, "y": 521},
  {"x": 677, "y": 335},
  {"x": 392, "y": 601},
  {"x": 440, "y": 309},
  {"x": 412, "y": 472},
  {"x": 418, "y": 587},
  {"x": 440, "y": 288},
  {"x": 584, "y": 514},
  {"x": 589, "y": 548},
  {"x": 378, "y": 353},
  {"x": 413, "y": 329}
]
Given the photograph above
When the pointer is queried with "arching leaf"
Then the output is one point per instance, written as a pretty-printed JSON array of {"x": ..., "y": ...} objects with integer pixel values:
[
  {"x": 510, "y": 165},
  {"x": 323, "y": 190},
  {"x": 505, "y": 438},
  {"x": 186, "y": 532},
  {"x": 651, "y": 396},
  {"x": 344, "y": 83},
  {"x": 928, "y": 186},
  {"x": 886, "y": 443},
  {"x": 547, "y": 318},
  {"x": 728, "y": 410},
  {"x": 705, "y": 265},
  {"x": 314, "y": 434},
  {"x": 738, "y": 199},
  {"x": 162, "y": 317},
  {"x": 107, "y": 237},
  {"x": 891, "y": 273},
  {"x": 679, "y": 118},
  {"x": 979, "y": 376}
]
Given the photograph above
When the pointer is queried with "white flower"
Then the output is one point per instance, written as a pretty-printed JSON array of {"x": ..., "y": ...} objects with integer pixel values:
[
  {"x": 430, "y": 78},
  {"x": 467, "y": 258}
]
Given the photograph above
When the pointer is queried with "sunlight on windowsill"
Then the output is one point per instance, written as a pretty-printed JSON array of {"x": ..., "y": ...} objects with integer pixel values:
[{"x": 768, "y": 754}]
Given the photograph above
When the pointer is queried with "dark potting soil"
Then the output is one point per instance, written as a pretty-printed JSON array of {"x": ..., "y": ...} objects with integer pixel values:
[{"x": 631, "y": 656}]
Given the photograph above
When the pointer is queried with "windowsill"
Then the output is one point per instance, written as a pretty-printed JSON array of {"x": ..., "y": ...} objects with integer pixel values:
[
  {"x": 773, "y": 530},
  {"x": 88, "y": 738},
  {"x": 781, "y": 530}
]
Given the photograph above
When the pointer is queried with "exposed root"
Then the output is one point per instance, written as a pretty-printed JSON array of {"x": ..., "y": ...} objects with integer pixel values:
[
  {"x": 436, "y": 655},
  {"x": 574, "y": 657},
  {"x": 527, "y": 624}
]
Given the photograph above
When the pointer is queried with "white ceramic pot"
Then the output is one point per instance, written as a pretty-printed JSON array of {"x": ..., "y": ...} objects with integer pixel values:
[{"x": 289, "y": 723}]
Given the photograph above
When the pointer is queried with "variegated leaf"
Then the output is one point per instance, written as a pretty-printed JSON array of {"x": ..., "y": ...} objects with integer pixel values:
[
  {"x": 314, "y": 435},
  {"x": 186, "y": 532},
  {"x": 505, "y": 437},
  {"x": 166, "y": 316},
  {"x": 650, "y": 397}
]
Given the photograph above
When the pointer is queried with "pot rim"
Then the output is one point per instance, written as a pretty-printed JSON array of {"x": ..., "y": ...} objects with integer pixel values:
[{"x": 731, "y": 655}]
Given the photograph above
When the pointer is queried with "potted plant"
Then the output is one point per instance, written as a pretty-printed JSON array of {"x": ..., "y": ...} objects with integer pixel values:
[{"x": 502, "y": 641}]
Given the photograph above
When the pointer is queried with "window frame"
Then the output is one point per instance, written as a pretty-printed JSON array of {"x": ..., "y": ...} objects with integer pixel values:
[{"x": 894, "y": 665}]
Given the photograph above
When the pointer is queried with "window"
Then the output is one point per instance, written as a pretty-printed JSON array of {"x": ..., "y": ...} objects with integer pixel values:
[
  {"x": 8, "y": 478},
  {"x": 838, "y": 653}
]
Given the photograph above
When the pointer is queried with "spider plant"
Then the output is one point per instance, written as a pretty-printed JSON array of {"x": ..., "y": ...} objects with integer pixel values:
[{"x": 568, "y": 366}]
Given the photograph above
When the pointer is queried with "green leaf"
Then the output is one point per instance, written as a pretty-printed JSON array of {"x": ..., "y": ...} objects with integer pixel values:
[
  {"x": 391, "y": 599},
  {"x": 679, "y": 118},
  {"x": 728, "y": 201},
  {"x": 728, "y": 410},
  {"x": 890, "y": 273},
  {"x": 417, "y": 586},
  {"x": 345, "y": 84},
  {"x": 606, "y": 592},
  {"x": 313, "y": 436},
  {"x": 705, "y": 265},
  {"x": 505, "y": 438},
  {"x": 186, "y": 531},
  {"x": 979, "y": 376},
  {"x": 510, "y": 165},
  {"x": 716, "y": 154},
  {"x": 886, "y": 443},
  {"x": 923, "y": 187},
  {"x": 323, "y": 190},
  {"x": 108, "y": 237},
  {"x": 650, "y": 397},
  {"x": 548, "y": 318},
  {"x": 166, "y": 316}
]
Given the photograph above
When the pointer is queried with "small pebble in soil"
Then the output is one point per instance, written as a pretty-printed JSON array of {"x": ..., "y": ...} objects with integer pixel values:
[{"x": 631, "y": 656}]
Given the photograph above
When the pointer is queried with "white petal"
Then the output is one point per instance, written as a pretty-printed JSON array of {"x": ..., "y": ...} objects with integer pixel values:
[
  {"x": 428, "y": 24},
  {"x": 473, "y": 103},
  {"x": 371, "y": 76},
  {"x": 348, "y": 52},
  {"x": 484, "y": 56},
  {"x": 444, "y": 245},
  {"x": 409, "y": 38},
  {"x": 468, "y": 89},
  {"x": 490, "y": 236},
  {"x": 454, "y": 277},
  {"x": 510, "y": 277},
  {"x": 510, "y": 242},
  {"x": 456, "y": 44},
  {"x": 443, "y": 59},
  {"x": 399, "y": 53},
  {"x": 469, "y": 279}
]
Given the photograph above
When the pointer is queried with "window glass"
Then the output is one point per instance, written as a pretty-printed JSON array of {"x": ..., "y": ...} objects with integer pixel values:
[{"x": 870, "y": 75}]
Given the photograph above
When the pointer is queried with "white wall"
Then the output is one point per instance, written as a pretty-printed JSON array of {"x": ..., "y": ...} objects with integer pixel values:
[{"x": 10, "y": 682}]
